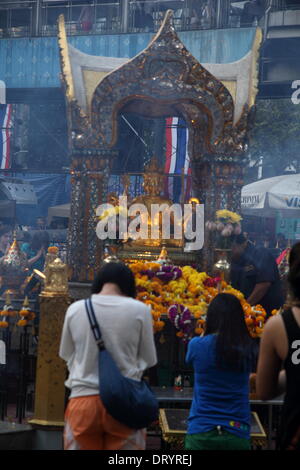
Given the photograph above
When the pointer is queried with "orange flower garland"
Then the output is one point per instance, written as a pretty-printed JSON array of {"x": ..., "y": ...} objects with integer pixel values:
[
  {"x": 7, "y": 311},
  {"x": 53, "y": 250},
  {"x": 25, "y": 313},
  {"x": 192, "y": 289}
]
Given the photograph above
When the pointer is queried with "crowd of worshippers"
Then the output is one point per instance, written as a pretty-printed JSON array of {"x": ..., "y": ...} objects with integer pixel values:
[{"x": 225, "y": 358}]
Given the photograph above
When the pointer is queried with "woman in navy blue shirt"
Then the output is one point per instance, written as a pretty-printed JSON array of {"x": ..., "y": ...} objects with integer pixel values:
[{"x": 222, "y": 359}]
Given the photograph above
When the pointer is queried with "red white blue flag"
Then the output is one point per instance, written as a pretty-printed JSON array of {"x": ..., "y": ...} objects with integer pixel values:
[
  {"x": 177, "y": 160},
  {"x": 5, "y": 135}
]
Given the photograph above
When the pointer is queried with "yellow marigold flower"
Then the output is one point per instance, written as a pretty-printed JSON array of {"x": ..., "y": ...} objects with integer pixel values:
[
  {"x": 158, "y": 326},
  {"x": 24, "y": 313},
  {"x": 258, "y": 330},
  {"x": 199, "y": 331},
  {"x": 180, "y": 334},
  {"x": 10, "y": 313},
  {"x": 260, "y": 318},
  {"x": 203, "y": 305},
  {"x": 197, "y": 314},
  {"x": 155, "y": 315},
  {"x": 136, "y": 267},
  {"x": 153, "y": 266},
  {"x": 229, "y": 216},
  {"x": 53, "y": 250}
]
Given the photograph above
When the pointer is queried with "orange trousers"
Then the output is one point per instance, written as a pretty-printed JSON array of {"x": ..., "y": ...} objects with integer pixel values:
[{"x": 88, "y": 426}]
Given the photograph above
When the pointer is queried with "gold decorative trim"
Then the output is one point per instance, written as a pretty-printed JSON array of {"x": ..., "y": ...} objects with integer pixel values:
[
  {"x": 175, "y": 438},
  {"x": 42, "y": 422},
  {"x": 51, "y": 295},
  {"x": 261, "y": 435},
  {"x": 163, "y": 421},
  {"x": 167, "y": 19},
  {"x": 253, "y": 90},
  {"x": 65, "y": 59}
]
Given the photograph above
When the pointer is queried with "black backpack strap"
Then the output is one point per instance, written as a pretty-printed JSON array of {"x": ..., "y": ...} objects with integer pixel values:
[{"x": 94, "y": 324}]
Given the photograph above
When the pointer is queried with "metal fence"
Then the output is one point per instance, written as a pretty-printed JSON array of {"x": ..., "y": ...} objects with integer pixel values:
[{"x": 39, "y": 17}]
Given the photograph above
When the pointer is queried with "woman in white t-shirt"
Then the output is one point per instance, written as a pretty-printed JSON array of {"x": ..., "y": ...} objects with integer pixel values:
[{"x": 126, "y": 327}]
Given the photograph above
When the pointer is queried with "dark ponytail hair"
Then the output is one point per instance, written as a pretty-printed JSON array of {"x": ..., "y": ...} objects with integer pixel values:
[
  {"x": 115, "y": 273},
  {"x": 294, "y": 273},
  {"x": 234, "y": 345}
]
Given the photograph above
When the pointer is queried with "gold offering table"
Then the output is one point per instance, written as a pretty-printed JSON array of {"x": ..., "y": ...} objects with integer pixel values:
[
  {"x": 177, "y": 256},
  {"x": 173, "y": 424}
]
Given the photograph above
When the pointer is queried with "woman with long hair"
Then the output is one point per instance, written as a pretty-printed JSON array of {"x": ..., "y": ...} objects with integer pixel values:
[
  {"x": 127, "y": 332},
  {"x": 222, "y": 360},
  {"x": 36, "y": 250},
  {"x": 280, "y": 346}
]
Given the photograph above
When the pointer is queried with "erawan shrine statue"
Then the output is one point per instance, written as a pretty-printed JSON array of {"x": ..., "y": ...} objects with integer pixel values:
[{"x": 216, "y": 101}]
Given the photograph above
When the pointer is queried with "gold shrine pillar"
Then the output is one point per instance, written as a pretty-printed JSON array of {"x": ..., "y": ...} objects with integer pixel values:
[
  {"x": 218, "y": 184},
  {"x": 51, "y": 369},
  {"x": 89, "y": 180}
]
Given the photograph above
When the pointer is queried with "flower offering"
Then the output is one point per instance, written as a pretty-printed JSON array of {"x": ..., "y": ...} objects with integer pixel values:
[{"x": 182, "y": 295}]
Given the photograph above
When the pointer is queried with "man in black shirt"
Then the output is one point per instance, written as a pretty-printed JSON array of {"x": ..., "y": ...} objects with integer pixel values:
[{"x": 255, "y": 273}]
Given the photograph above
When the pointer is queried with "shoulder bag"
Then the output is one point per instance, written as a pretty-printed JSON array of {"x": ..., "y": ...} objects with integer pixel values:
[{"x": 129, "y": 401}]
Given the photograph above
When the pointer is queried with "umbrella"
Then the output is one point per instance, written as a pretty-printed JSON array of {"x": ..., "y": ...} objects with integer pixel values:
[{"x": 272, "y": 196}]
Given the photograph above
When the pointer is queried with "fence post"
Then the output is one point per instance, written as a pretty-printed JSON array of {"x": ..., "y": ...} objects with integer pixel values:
[{"x": 125, "y": 16}]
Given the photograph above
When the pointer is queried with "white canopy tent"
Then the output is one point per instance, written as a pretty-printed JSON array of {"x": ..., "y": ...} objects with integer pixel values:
[
  {"x": 62, "y": 210},
  {"x": 272, "y": 197}
]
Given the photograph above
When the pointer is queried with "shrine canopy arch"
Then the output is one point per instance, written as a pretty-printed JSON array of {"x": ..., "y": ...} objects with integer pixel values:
[
  {"x": 196, "y": 117},
  {"x": 214, "y": 99},
  {"x": 165, "y": 79}
]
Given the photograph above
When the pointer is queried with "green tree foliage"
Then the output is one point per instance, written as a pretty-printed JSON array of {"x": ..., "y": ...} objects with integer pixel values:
[{"x": 276, "y": 135}]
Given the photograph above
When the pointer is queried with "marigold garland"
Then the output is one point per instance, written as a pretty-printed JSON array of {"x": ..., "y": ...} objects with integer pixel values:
[
  {"x": 25, "y": 313},
  {"x": 53, "y": 250},
  {"x": 7, "y": 311},
  {"x": 192, "y": 291}
]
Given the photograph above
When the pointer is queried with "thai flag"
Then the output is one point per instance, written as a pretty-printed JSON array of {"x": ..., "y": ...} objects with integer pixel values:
[
  {"x": 177, "y": 160},
  {"x": 5, "y": 134}
]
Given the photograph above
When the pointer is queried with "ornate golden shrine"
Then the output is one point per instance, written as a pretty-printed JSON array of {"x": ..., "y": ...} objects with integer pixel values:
[
  {"x": 153, "y": 182},
  {"x": 164, "y": 79}
]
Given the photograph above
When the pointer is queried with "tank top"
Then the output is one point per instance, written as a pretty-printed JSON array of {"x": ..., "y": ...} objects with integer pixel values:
[{"x": 290, "y": 422}]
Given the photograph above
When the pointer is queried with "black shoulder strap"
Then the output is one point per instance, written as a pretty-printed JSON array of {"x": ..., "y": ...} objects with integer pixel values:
[
  {"x": 94, "y": 324},
  {"x": 291, "y": 326}
]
